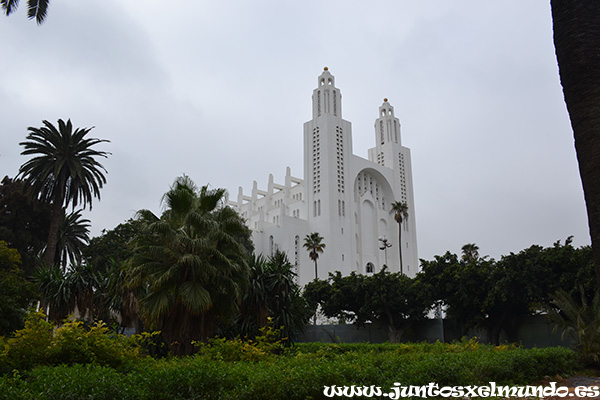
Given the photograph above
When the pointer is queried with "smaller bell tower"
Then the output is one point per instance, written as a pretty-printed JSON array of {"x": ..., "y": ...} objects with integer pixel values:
[
  {"x": 387, "y": 136},
  {"x": 327, "y": 99}
]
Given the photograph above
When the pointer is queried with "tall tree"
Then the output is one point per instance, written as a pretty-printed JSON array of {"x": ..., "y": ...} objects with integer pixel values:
[
  {"x": 273, "y": 292},
  {"x": 481, "y": 293},
  {"x": 392, "y": 300},
  {"x": 193, "y": 263},
  {"x": 36, "y": 9},
  {"x": 64, "y": 170},
  {"x": 65, "y": 290},
  {"x": 396, "y": 301},
  {"x": 24, "y": 222},
  {"x": 470, "y": 252},
  {"x": 577, "y": 43},
  {"x": 73, "y": 236},
  {"x": 400, "y": 210},
  {"x": 314, "y": 244},
  {"x": 16, "y": 293},
  {"x": 107, "y": 255}
]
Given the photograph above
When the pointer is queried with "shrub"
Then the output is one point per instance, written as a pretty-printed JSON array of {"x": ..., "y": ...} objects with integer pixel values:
[
  {"x": 38, "y": 343},
  {"x": 299, "y": 376},
  {"x": 73, "y": 343},
  {"x": 266, "y": 345},
  {"x": 29, "y": 346},
  {"x": 152, "y": 344}
]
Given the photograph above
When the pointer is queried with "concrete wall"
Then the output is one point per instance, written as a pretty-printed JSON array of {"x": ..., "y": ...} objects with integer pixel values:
[{"x": 533, "y": 331}]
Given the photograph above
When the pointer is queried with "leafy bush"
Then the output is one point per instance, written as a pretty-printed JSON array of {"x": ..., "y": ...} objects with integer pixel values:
[
  {"x": 152, "y": 344},
  {"x": 74, "y": 344},
  {"x": 266, "y": 345},
  {"x": 29, "y": 346},
  {"x": 39, "y": 343}
]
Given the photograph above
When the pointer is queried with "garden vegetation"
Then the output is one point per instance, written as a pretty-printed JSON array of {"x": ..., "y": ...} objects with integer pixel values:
[{"x": 75, "y": 362}]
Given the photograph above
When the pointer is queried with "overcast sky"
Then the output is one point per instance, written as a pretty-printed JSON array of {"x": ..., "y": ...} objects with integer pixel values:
[{"x": 219, "y": 90}]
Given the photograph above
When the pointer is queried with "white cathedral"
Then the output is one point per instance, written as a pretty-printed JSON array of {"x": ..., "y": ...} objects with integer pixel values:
[{"x": 345, "y": 198}]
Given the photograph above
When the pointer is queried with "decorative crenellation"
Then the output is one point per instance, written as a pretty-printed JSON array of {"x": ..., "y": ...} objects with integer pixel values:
[{"x": 268, "y": 206}]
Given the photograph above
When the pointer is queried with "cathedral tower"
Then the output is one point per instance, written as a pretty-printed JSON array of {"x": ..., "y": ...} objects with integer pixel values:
[{"x": 327, "y": 152}]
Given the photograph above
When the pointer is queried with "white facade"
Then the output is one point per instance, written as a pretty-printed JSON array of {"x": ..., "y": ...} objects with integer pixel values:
[{"x": 345, "y": 198}]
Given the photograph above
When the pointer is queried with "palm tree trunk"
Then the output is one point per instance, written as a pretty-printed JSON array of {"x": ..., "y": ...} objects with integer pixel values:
[
  {"x": 577, "y": 42},
  {"x": 55, "y": 217},
  {"x": 400, "y": 244}
]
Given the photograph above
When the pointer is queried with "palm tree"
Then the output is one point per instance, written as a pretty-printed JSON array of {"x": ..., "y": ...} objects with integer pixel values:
[
  {"x": 65, "y": 290},
  {"x": 35, "y": 8},
  {"x": 193, "y": 263},
  {"x": 118, "y": 297},
  {"x": 255, "y": 308},
  {"x": 273, "y": 295},
  {"x": 286, "y": 306},
  {"x": 576, "y": 40},
  {"x": 470, "y": 252},
  {"x": 55, "y": 291},
  {"x": 400, "y": 210},
  {"x": 314, "y": 244},
  {"x": 73, "y": 236},
  {"x": 64, "y": 170}
]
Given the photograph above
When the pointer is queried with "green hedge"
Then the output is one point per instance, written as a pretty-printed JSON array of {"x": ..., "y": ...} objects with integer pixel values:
[{"x": 302, "y": 375}]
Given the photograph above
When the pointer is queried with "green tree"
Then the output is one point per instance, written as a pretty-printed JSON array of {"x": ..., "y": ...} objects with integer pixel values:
[
  {"x": 273, "y": 294},
  {"x": 576, "y": 40},
  {"x": 254, "y": 309},
  {"x": 463, "y": 288},
  {"x": 55, "y": 292},
  {"x": 67, "y": 291},
  {"x": 16, "y": 293},
  {"x": 24, "y": 222},
  {"x": 400, "y": 210},
  {"x": 347, "y": 298},
  {"x": 316, "y": 293},
  {"x": 481, "y": 293},
  {"x": 107, "y": 255},
  {"x": 36, "y": 9},
  {"x": 580, "y": 320},
  {"x": 193, "y": 263},
  {"x": 116, "y": 296},
  {"x": 63, "y": 171},
  {"x": 470, "y": 252},
  {"x": 392, "y": 300},
  {"x": 314, "y": 245},
  {"x": 287, "y": 307},
  {"x": 112, "y": 246},
  {"x": 73, "y": 237},
  {"x": 396, "y": 301}
]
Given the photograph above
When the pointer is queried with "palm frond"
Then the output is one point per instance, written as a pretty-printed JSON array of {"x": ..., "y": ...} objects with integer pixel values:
[{"x": 9, "y": 6}]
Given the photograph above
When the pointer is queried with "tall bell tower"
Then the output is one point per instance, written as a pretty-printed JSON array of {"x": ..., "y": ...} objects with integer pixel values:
[
  {"x": 327, "y": 153},
  {"x": 389, "y": 152}
]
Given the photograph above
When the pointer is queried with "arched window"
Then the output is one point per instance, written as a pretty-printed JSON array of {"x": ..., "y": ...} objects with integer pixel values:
[{"x": 370, "y": 268}]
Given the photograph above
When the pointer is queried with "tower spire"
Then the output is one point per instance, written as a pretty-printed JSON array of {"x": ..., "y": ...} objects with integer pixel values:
[
  {"x": 326, "y": 97},
  {"x": 387, "y": 126}
]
